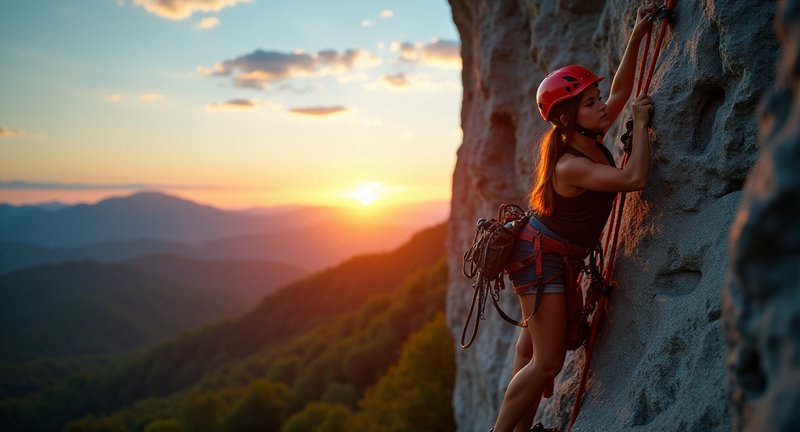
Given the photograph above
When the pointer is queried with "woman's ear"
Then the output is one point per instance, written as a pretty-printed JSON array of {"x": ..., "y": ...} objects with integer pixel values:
[{"x": 562, "y": 120}]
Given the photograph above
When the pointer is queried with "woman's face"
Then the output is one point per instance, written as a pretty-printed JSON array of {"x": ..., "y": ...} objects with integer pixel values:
[{"x": 592, "y": 113}]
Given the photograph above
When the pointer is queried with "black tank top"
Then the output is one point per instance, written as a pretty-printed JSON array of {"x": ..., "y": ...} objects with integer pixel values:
[{"x": 581, "y": 219}]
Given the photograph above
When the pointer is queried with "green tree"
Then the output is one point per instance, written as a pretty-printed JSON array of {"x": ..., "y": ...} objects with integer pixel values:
[
  {"x": 285, "y": 369},
  {"x": 202, "y": 412},
  {"x": 262, "y": 408},
  {"x": 94, "y": 424},
  {"x": 320, "y": 417},
  {"x": 416, "y": 393},
  {"x": 165, "y": 425},
  {"x": 339, "y": 393}
]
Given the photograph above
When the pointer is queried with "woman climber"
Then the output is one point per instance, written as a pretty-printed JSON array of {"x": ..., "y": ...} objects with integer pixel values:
[{"x": 573, "y": 191}]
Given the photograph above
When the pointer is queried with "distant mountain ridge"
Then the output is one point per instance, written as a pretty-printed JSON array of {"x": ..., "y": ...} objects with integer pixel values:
[
  {"x": 142, "y": 215},
  {"x": 155, "y": 215},
  {"x": 153, "y": 223}
]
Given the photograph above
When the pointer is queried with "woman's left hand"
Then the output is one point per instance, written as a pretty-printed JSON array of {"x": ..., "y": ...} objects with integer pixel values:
[{"x": 643, "y": 22}]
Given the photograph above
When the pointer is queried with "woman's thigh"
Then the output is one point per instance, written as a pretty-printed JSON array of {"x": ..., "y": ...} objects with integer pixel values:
[{"x": 547, "y": 328}]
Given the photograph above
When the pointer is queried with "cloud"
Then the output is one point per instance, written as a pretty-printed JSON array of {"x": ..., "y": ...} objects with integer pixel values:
[
  {"x": 112, "y": 97},
  {"x": 151, "y": 97},
  {"x": 387, "y": 13},
  {"x": 319, "y": 111},
  {"x": 289, "y": 87},
  {"x": 406, "y": 136},
  {"x": 11, "y": 133},
  {"x": 366, "y": 23},
  {"x": 182, "y": 9},
  {"x": 397, "y": 80},
  {"x": 439, "y": 53},
  {"x": 207, "y": 23},
  {"x": 408, "y": 82},
  {"x": 235, "y": 105},
  {"x": 52, "y": 185},
  {"x": 260, "y": 68}
]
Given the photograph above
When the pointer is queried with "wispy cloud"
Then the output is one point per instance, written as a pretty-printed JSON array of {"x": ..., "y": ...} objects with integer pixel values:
[
  {"x": 290, "y": 87},
  {"x": 319, "y": 111},
  {"x": 397, "y": 80},
  {"x": 112, "y": 97},
  {"x": 386, "y": 13},
  {"x": 151, "y": 97},
  {"x": 234, "y": 105},
  {"x": 260, "y": 68},
  {"x": 406, "y": 136},
  {"x": 207, "y": 23},
  {"x": 182, "y": 9},
  {"x": 53, "y": 185},
  {"x": 11, "y": 133},
  {"x": 439, "y": 53},
  {"x": 407, "y": 82}
]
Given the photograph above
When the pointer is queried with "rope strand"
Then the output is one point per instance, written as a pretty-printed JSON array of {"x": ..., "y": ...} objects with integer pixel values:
[{"x": 666, "y": 13}]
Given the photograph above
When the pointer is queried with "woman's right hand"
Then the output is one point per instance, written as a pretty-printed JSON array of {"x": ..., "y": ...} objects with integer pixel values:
[
  {"x": 642, "y": 110},
  {"x": 643, "y": 21}
]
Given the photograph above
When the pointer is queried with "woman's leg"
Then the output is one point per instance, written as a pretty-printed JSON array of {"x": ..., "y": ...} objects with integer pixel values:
[
  {"x": 525, "y": 389},
  {"x": 524, "y": 350},
  {"x": 523, "y": 356}
]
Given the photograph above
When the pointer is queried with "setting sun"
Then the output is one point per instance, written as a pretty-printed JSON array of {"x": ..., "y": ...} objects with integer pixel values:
[{"x": 367, "y": 193}]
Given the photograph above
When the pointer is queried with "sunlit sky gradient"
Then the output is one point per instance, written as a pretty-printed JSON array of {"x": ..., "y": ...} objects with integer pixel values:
[{"x": 227, "y": 102}]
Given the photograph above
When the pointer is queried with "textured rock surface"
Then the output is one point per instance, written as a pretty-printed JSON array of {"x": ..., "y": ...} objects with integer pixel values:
[
  {"x": 660, "y": 360},
  {"x": 762, "y": 301}
]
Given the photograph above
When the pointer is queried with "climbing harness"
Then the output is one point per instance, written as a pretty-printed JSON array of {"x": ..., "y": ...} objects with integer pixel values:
[
  {"x": 666, "y": 15},
  {"x": 573, "y": 257},
  {"x": 488, "y": 259}
]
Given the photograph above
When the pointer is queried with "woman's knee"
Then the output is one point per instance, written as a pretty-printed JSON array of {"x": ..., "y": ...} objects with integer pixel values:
[
  {"x": 549, "y": 368},
  {"x": 524, "y": 347}
]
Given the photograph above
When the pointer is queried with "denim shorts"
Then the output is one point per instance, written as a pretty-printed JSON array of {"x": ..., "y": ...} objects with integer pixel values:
[{"x": 552, "y": 265}]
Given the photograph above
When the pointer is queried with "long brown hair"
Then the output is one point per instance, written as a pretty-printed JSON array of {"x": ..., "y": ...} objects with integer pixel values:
[{"x": 551, "y": 147}]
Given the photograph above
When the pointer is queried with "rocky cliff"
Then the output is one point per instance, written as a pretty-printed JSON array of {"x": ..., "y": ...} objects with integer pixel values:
[
  {"x": 762, "y": 301},
  {"x": 660, "y": 359}
]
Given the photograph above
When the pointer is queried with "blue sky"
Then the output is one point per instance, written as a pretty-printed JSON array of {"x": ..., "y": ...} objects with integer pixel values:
[{"x": 232, "y": 103}]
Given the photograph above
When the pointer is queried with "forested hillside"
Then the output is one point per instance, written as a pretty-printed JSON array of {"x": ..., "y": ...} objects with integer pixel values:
[
  {"x": 318, "y": 350},
  {"x": 58, "y": 319}
]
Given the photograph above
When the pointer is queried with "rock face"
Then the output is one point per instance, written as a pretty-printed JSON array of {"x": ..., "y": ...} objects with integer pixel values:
[
  {"x": 762, "y": 300},
  {"x": 660, "y": 358}
]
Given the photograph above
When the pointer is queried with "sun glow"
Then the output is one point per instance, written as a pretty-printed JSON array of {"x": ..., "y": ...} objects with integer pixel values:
[{"x": 367, "y": 193}]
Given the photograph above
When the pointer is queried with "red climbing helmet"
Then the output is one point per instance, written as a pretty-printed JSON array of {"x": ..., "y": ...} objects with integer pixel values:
[{"x": 563, "y": 84}]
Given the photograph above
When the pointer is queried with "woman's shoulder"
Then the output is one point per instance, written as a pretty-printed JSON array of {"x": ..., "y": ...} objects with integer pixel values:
[{"x": 570, "y": 163}]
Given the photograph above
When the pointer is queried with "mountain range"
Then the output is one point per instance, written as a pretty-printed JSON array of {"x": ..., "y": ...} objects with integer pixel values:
[{"x": 122, "y": 228}]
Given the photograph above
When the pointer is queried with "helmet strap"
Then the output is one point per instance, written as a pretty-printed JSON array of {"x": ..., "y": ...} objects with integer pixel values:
[{"x": 596, "y": 135}]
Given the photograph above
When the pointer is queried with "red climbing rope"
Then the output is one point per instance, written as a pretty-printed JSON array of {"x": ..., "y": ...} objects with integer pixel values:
[
  {"x": 665, "y": 15},
  {"x": 644, "y": 63}
]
